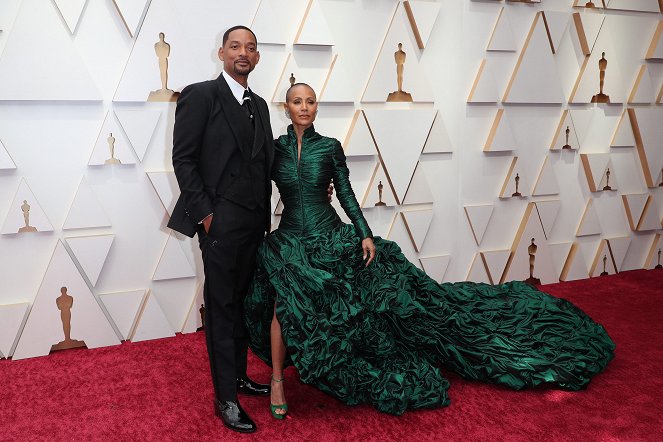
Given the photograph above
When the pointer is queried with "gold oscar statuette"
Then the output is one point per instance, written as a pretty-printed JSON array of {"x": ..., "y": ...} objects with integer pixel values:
[
  {"x": 567, "y": 145},
  {"x": 65, "y": 303},
  {"x": 517, "y": 193},
  {"x": 292, "y": 79},
  {"x": 399, "y": 95},
  {"x": 111, "y": 148},
  {"x": 202, "y": 317},
  {"x": 659, "y": 266},
  {"x": 604, "y": 272},
  {"x": 531, "y": 251},
  {"x": 25, "y": 208},
  {"x": 162, "y": 50},
  {"x": 380, "y": 202},
  {"x": 601, "y": 97},
  {"x": 607, "y": 180}
]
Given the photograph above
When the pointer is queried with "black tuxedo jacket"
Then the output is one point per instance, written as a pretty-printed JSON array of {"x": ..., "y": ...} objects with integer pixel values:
[{"x": 210, "y": 126}]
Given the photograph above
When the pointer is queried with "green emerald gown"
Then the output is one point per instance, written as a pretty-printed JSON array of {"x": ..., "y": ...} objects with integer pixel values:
[{"x": 379, "y": 334}]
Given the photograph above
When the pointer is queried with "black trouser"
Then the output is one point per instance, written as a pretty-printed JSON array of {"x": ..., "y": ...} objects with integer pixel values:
[{"x": 228, "y": 251}]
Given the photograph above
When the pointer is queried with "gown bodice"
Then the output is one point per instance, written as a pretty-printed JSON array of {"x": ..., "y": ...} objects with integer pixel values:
[{"x": 303, "y": 183}]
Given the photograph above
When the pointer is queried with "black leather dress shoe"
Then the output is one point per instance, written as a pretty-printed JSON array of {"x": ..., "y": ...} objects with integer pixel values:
[
  {"x": 233, "y": 416},
  {"x": 247, "y": 386}
]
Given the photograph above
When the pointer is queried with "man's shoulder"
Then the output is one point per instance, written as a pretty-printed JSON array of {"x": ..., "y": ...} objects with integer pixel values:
[{"x": 200, "y": 86}]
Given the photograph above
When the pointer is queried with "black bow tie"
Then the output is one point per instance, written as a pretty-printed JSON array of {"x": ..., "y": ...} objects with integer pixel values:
[{"x": 246, "y": 104}]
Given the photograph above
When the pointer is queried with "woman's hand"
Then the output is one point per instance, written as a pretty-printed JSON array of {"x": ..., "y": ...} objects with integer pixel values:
[{"x": 369, "y": 250}]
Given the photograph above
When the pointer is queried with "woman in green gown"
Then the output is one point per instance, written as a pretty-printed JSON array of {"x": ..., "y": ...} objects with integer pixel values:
[{"x": 362, "y": 323}]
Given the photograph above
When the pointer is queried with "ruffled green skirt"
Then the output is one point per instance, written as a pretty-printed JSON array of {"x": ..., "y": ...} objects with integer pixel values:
[{"x": 379, "y": 334}]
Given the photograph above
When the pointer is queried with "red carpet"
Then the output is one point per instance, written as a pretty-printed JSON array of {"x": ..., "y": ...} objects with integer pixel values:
[{"x": 161, "y": 391}]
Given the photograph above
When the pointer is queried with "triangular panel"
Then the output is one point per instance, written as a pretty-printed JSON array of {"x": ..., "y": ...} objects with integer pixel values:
[
  {"x": 359, "y": 140},
  {"x": 6, "y": 161},
  {"x": 131, "y": 12},
  {"x": 478, "y": 217},
  {"x": 173, "y": 263},
  {"x": 288, "y": 13},
  {"x": 417, "y": 223},
  {"x": 91, "y": 253},
  {"x": 25, "y": 213},
  {"x": 419, "y": 191},
  {"x": 484, "y": 89},
  {"x": 655, "y": 255},
  {"x": 618, "y": 247},
  {"x": 123, "y": 308},
  {"x": 314, "y": 29},
  {"x": 648, "y": 132},
  {"x": 589, "y": 223},
  {"x": 71, "y": 11},
  {"x": 165, "y": 184},
  {"x": 502, "y": 36},
  {"x": 565, "y": 134},
  {"x": 422, "y": 17},
  {"x": 372, "y": 196},
  {"x": 55, "y": 71},
  {"x": 495, "y": 262},
  {"x": 12, "y": 318},
  {"x": 595, "y": 166},
  {"x": 516, "y": 183},
  {"x": 478, "y": 271},
  {"x": 85, "y": 211},
  {"x": 546, "y": 182},
  {"x": 623, "y": 136},
  {"x": 438, "y": 140},
  {"x": 111, "y": 147},
  {"x": 194, "y": 319},
  {"x": 500, "y": 137},
  {"x": 530, "y": 257},
  {"x": 151, "y": 322},
  {"x": 435, "y": 266},
  {"x": 643, "y": 88},
  {"x": 139, "y": 126},
  {"x": 655, "y": 51},
  {"x": 535, "y": 78},
  {"x": 574, "y": 265},
  {"x": 64, "y": 303},
  {"x": 311, "y": 67},
  {"x": 390, "y": 134},
  {"x": 556, "y": 25},
  {"x": 650, "y": 219},
  {"x": 634, "y": 205},
  {"x": 548, "y": 211},
  {"x": 384, "y": 79}
]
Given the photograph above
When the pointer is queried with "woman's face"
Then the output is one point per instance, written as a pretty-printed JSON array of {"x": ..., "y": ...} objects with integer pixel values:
[{"x": 302, "y": 105}]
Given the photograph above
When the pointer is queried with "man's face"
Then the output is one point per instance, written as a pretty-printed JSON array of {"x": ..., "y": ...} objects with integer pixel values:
[{"x": 240, "y": 53}]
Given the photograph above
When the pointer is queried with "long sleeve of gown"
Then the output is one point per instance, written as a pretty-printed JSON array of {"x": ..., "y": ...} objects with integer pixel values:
[{"x": 345, "y": 194}]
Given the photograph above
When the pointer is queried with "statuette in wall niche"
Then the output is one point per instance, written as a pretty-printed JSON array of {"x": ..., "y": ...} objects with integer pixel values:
[
  {"x": 111, "y": 148},
  {"x": 292, "y": 79},
  {"x": 601, "y": 97},
  {"x": 25, "y": 207},
  {"x": 380, "y": 188},
  {"x": 658, "y": 265},
  {"x": 567, "y": 145},
  {"x": 607, "y": 180},
  {"x": 517, "y": 192},
  {"x": 202, "y": 317},
  {"x": 605, "y": 260},
  {"x": 162, "y": 50},
  {"x": 65, "y": 303},
  {"x": 399, "y": 95},
  {"x": 531, "y": 251}
]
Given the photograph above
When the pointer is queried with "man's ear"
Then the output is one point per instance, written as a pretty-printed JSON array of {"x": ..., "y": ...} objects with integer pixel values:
[
  {"x": 257, "y": 56},
  {"x": 220, "y": 53}
]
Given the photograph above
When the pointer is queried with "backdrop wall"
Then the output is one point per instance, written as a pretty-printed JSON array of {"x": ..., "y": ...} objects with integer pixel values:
[{"x": 473, "y": 170}]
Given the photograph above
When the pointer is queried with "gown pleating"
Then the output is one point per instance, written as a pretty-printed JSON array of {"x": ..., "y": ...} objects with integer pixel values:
[{"x": 380, "y": 333}]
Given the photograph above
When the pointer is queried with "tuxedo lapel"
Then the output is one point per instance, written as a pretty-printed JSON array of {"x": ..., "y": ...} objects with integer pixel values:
[{"x": 239, "y": 124}]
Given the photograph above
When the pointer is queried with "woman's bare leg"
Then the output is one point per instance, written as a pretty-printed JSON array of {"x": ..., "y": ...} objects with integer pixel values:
[{"x": 278, "y": 359}]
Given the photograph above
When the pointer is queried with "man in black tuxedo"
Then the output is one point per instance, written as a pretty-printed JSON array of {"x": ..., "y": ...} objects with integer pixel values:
[{"x": 222, "y": 156}]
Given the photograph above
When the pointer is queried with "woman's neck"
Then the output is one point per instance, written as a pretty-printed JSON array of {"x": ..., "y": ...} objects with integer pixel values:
[{"x": 299, "y": 131}]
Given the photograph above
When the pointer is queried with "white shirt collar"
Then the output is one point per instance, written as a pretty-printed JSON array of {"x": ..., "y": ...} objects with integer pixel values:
[{"x": 236, "y": 88}]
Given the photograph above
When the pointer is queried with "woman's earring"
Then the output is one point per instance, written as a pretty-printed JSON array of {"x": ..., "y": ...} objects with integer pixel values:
[{"x": 287, "y": 113}]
